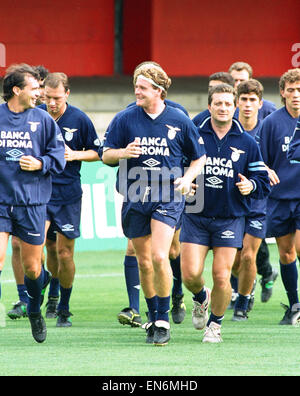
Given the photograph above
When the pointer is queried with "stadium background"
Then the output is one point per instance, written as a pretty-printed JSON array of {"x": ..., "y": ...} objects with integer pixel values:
[{"x": 97, "y": 43}]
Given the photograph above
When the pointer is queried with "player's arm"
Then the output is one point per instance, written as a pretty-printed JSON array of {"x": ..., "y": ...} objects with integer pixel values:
[
  {"x": 83, "y": 155},
  {"x": 185, "y": 184},
  {"x": 112, "y": 156}
]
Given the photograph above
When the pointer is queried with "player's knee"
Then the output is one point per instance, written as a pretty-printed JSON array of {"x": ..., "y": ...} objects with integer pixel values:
[
  {"x": 221, "y": 280},
  {"x": 159, "y": 258},
  {"x": 248, "y": 260}
]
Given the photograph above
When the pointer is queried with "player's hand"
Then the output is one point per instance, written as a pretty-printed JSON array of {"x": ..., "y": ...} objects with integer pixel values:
[
  {"x": 245, "y": 186},
  {"x": 29, "y": 163},
  {"x": 274, "y": 179},
  {"x": 70, "y": 155},
  {"x": 183, "y": 185},
  {"x": 133, "y": 149}
]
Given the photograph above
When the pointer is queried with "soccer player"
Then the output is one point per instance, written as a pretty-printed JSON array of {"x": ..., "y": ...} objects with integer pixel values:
[
  {"x": 283, "y": 205},
  {"x": 242, "y": 71},
  {"x": 249, "y": 101},
  {"x": 234, "y": 171},
  {"x": 64, "y": 207},
  {"x": 152, "y": 139},
  {"x": 19, "y": 309},
  {"x": 131, "y": 315},
  {"x": 32, "y": 151}
]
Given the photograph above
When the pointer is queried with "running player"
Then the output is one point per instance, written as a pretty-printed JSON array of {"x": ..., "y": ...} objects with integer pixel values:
[
  {"x": 234, "y": 169},
  {"x": 19, "y": 308},
  {"x": 131, "y": 315},
  {"x": 152, "y": 138},
  {"x": 32, "y": 151},
  {"x": 283, "y": 206},
  {"x": 249, "y": 101},
  {"x": 64, "y": 207}
]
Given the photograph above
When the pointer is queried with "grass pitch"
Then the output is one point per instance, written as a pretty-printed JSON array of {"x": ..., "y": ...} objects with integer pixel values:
[{"x": 97, "y": 345}]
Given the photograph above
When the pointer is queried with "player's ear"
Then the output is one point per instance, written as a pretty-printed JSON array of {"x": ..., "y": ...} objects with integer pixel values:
[{"x": 16, "y": 90}]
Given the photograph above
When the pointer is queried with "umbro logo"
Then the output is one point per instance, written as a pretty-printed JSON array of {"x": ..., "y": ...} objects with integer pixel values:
[
  {"x": 256, "y": 224},
  {"x": 14, "y": 155},
  {"x": 67, "y": 227},
  {"x": 214, "y": 180},
  {"x": 151, "y": 162},
  {"x": 227, "y": 234}
]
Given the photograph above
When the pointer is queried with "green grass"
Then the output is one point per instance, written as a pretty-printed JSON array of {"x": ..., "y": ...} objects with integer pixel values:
[{"x": 97, "y": 345}]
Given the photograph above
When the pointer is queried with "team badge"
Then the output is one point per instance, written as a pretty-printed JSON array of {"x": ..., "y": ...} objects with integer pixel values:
[
  {"x": 33, "y": 125},
  {"x": 69, "y": 133},
  {"x": 172, "y": 131},
  {"x": 235, "y": 155}
]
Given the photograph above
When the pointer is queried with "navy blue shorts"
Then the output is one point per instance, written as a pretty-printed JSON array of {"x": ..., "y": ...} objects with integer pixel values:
[
  {"x": 24, "y": 222},
  {"x": 212, "y": 232},
  {"x": 283, "y": 217},
  {"x": 256, "y": 226},
  {"x": 136, "y": 216},
  {"x": 64, "y": 219}
]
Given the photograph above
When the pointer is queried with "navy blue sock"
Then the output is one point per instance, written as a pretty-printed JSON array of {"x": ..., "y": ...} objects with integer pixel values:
[
  {"x": 234, "y": 283},
  {"x": 23, "y": 296},
  {"x": 34, "y": 289},
  {"x": 132, "y": 279},
  {"x": 289, "y": 276},
  {"x": 65, "y": 295},
  {"x": 152, "y": 305},
  {"x": 54, "y": 288},
  {"x": 216, "y": 319},
  {"x": 201, "y": 296},
  {"x": 177, "y": 282},
  {"x": 163, "y": 308},
  {"x": 242, "y": 302}
]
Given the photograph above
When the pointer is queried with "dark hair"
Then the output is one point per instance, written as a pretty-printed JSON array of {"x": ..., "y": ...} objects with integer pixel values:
[
  {"x": 250, "y": 86},
  {"x": 43, "y": 72},
  {"x": 221, "y": 88},
  {"x": 54, "y": 79},
  {"x": 15, "y": 77},
  {"x": 222, "y": 76}
]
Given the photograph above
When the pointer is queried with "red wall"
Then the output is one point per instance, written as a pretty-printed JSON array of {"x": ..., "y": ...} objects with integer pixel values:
[
  {"x": 187, "y": 37},
  {"x": 76, "y": 36},
  {"x": 195, "y": 37}
]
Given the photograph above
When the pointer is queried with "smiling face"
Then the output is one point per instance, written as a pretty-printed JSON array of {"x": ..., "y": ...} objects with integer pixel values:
[
  {"x": 146, "y": 95},
  {"x": 28, "y": 95}
]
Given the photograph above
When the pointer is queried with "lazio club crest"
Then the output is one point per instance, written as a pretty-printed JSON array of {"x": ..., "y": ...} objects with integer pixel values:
[
  {"x": 235, "y": 155},
  {"x": 69, "y": 133},
  {"x": 33, "y": 125},
  {"x": 172, "y": 131}
]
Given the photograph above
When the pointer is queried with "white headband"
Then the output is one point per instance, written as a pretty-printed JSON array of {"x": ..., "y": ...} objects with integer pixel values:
[{"x": 150, "y": 81}]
